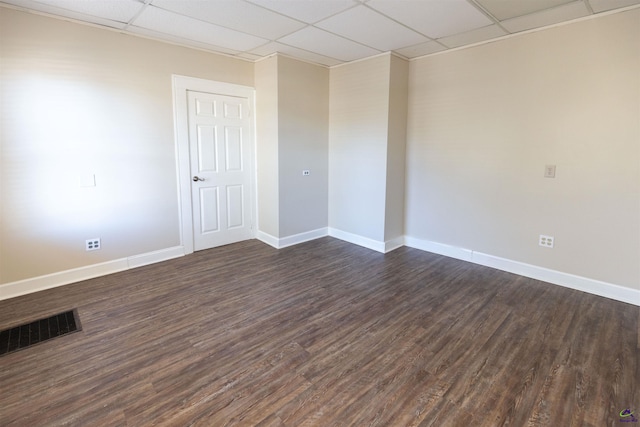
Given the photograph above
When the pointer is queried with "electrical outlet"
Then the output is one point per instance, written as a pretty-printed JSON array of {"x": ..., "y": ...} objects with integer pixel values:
[
  {"x": 92, "y": 244},
  {"x": 306, "y": 172},
  {"x": 546, "y": 241}
]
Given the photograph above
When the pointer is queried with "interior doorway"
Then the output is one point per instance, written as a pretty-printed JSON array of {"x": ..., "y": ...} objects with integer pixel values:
[{"x": 215, "y": 149}]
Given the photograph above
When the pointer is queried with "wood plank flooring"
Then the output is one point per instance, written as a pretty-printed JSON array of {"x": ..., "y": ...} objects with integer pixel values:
[{"x": 322, "y": 334}]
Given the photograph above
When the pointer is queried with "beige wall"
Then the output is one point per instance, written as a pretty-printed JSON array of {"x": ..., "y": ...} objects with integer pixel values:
[
  {"x": 396, "y": 148},
  {"x": 292, "y": 101},
  {"x": 484, "y": 122},
  {"x": 358, "y": 125},
  {"x": 266, "y": 83},
  {"x": 303, "y": 113},
  {"x": 367, "y": 138},
  {"x": 78, "y": 100}
]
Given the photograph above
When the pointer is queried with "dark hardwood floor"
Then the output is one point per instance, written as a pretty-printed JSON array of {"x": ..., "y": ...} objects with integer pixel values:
[{"x": 322, "y": 334}]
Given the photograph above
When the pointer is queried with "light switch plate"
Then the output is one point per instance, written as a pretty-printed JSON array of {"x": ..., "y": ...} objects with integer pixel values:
[{"x": 550, "y": 171}]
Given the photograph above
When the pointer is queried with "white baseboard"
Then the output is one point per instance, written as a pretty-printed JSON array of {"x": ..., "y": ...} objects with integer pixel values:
[
  {"x": 584, "y": 284},
  {"x": 303, "y": 237},
  {"x": 592, "y": 286},
  {"x": 268, "y": 239},
  {"x": 295, "y": 239},
  {"x": 393, "y": 244},
  {"x": 439, "y": 248},
  {"x": 41, "y": 283},
  {"x": 155, "y": 256},
  {"x": 376, "y": 245},
  {"x": 356, "y": 239}
]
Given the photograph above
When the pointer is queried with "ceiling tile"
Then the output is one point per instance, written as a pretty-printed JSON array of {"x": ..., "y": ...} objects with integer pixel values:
[
  {"x": 473, "y": 36},
  {"x": 160, "y": 20},
  {"x": 558, "y": 14},
  {"x": 103, "y": 12},
  {"x": 602, "y": 5},
  {"x": 327, "y": 44},
  {"x": 370, "y": 28},
  {"x": 180, "y": 40},
  {"x": 122, "y": 11},
  {"x": 274, "y": 47},
  {"x": 235, "y": 14},
  {"x": 326, "y": 32},
  {"x": 502, "y": 9},
  {"x": 309, "y": 11},
  {"x": 433, "y": 18},
  {"x": 421, "y": 49}
]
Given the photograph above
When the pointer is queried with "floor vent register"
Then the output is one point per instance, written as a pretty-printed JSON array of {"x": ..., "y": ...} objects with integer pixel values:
[{"x": 38, "y": 331}]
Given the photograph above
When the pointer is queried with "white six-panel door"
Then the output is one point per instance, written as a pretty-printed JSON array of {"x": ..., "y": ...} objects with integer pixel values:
[{"x": 219, "y": 152}]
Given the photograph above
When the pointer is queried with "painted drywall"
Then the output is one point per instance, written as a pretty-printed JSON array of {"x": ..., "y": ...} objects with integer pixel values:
[
  {"x": 396, "y": 148},
  {"x": 266, "y": 84},
  {"x": 78, "y": 102},
  {"x": 358, "y": 133},
  {"x": 303, "y": 138},
  {"x": 292, "y": 103},
  {"x": 367, "y": 150},
  {"x": 483, "y": 122}
]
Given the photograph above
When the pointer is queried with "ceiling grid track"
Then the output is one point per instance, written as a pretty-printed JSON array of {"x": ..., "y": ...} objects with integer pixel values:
[{"x": 324, "y": 32}]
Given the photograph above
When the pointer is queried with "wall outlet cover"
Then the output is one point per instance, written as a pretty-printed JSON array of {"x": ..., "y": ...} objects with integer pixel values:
[
  {"x": 545, "y": 241},
  {"x": 92, "y": 244}
]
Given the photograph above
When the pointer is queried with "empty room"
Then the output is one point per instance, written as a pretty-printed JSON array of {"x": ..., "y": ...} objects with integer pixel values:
[{"x": 319, "y": 212}]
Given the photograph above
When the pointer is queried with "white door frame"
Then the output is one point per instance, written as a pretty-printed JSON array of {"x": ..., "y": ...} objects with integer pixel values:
[{"x": 182, "y": 84}]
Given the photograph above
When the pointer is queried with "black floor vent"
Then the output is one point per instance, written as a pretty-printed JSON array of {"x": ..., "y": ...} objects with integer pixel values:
[{"x": 23, "y": 336}]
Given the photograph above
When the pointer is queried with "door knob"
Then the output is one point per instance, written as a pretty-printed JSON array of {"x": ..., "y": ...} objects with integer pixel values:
[{"x": 197, "y": 178}]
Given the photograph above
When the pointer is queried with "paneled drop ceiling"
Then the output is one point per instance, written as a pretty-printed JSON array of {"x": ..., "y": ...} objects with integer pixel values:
[{"x": 327, "y": 32}]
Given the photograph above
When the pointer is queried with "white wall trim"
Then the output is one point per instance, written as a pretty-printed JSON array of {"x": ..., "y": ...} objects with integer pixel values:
[
  {"x": 439, "y": 248},
  {"x": 155, "y": 256},
  {"x": 366, "y": 242},
  {"x": 377, "y": 55},
  {"x": 41, "y": 283},
  {"x": 268, "y": 239},
  {"x": 393, "y": 244},
  {"x": 303, "y": 237},
  {"x": 584, "y": 284},
  {"x": 295, "y": 239}
]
